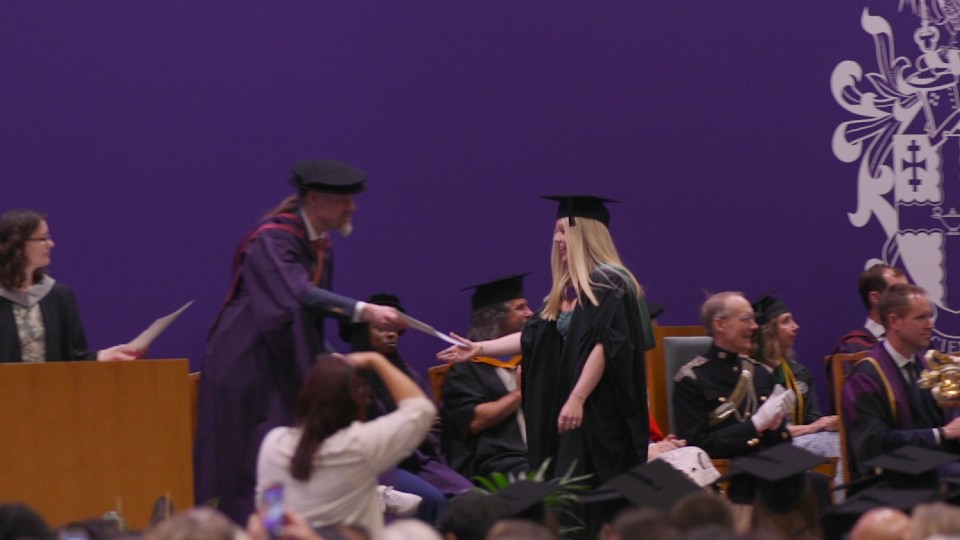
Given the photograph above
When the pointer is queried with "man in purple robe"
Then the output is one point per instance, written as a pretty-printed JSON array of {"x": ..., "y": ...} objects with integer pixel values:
[
  {"x": 871, "y": 284},
  {"x": 882, "y": 407},
  {"x": 270, "y": 329}
]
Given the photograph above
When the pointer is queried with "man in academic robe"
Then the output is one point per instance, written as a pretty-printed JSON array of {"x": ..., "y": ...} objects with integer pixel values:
[
  {"x": 269, "y": 330},
  {"x": 483, "y": 424},
  {"x": 871, "y": 284},
  {"x": 883, "y": 408},
  {"x": 723, "y": 401}
]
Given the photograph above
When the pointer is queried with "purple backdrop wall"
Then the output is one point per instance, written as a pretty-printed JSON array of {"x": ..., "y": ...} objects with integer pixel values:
[{"x": 154, "y": 135}]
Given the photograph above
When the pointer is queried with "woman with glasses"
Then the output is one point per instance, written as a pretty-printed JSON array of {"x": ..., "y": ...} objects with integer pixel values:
[{"x": 39, "y": 321}]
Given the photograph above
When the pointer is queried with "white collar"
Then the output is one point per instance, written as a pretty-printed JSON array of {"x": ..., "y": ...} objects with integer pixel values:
[
  {"x": 312, "y": 233},
  {"x": 875, "y": 328},
  {"x": 900, "y": 359}
]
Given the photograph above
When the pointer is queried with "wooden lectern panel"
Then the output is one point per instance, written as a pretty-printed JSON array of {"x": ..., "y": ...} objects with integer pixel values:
[{"x": 76, "y": 436}]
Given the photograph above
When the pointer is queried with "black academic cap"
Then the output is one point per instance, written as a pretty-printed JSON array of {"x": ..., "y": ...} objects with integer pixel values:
[
  {"x": 328, "y": 176},
  {"x": 655, "y": 484},
  {"x": 588, "y": 206},
  {"x": 386, "y": 299},
  {"x": 911, "y": 466},
  {"x": 525, "y": 498},
  {"x": 776, "y": 476},
  {"x": 768, "y": 308},
  {"x": 776, "y": 463},
  {"x": 496, "y": 291}
]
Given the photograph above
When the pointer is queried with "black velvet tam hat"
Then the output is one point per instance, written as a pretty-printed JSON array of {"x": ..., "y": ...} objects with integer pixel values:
[
  {"x": 328, "y": 176},
  {"x": 655, "y": 484},
  {"x": 588, "y": 206},
  {"x": 496, "y": 291}
]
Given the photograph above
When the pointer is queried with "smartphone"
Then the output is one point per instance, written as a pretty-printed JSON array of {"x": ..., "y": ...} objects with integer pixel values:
[{"x": 272, "y": 500}]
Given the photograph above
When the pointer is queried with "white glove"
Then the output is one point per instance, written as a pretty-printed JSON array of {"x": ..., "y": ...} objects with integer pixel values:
[{"x": 771, "y": 413}]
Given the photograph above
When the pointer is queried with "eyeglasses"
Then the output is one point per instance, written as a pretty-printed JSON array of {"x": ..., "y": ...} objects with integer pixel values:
[{"x": 46, "y": 239}]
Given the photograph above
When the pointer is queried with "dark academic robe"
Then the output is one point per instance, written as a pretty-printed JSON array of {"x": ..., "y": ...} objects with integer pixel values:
[
  {"x": 882, "y": 412},
  {"x": 807, "y": 410},
  {"x": 499, "y": 448},
  {"x": 260, "y": 349},
  {"x": 615, "y": 430},
  {"x": 702, "y": 385},
  {"x": 64, "y": 337}
]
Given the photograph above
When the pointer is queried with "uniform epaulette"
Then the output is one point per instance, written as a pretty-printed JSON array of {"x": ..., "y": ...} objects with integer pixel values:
[{"x": 687, "y": 370}]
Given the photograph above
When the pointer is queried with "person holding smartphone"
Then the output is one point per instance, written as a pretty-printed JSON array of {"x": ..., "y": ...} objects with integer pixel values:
[{"x": 329, "y": 461}]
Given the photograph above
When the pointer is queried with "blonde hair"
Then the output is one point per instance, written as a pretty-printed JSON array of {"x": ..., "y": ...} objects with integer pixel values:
[
  {"x": 772, "y": 350},
  {"x": 589, "y": 245}
]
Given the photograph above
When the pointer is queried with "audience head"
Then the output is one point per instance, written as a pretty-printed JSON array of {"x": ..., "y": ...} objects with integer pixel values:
[
  {"x": 881, "y": 524},
  {"x": 195, "y": 524},
  {"x": 332, "y": 397},
  {"x": 470, "y": 516},
  {"x": 20, "y": 521},
  {"x": 729, "y": 319},
  {"x": 641, "y": 524},
  {"x": 520, "y": 529},
  {"x": 874, "y": 281},
  {"x": 907, "y": 315},
  {"x": 24, "y": 248},
  {"x": 930, "y": 519},
  {"x": 498, "y": 308},
  {"x": 410, "y": 529},
  {"x": 701, "y": 509}
]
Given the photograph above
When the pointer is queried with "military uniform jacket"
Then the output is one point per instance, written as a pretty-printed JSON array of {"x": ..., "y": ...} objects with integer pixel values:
[{"x": 703, "y": 385}]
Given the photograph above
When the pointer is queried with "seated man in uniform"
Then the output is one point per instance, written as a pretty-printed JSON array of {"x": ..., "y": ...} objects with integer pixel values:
[
  {"x": 725, "y": 402},
  {"x": 483, "y": 430},
  {"x": 882, "y": 407}
]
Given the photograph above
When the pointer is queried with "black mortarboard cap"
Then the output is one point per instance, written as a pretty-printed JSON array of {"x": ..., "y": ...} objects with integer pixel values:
[
  {"x": 328, "y": 176},
  {"x": 776, "y": 475},
  {"x": 655, "y": 484},
  {"x": 525, "y": 498},
  {"x": 496, "y": 291},
  {"x": 911, "y": 466},
  {"x": 776, "y": 463},
  {"x": 588, "y": 206},
  {"x": 768, "y": 308}
]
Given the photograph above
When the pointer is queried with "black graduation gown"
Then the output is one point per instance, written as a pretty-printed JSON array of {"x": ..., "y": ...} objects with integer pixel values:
[
  {"x": 616, "y": 429},
  {"x": 499, "y": 448}
]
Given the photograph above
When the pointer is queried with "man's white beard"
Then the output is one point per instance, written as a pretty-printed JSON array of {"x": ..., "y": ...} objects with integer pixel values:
[{"x": 346, "y": 229}]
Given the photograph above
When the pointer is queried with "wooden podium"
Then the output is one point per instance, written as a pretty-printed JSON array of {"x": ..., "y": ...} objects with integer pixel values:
[{"x": 77, "y": 436}]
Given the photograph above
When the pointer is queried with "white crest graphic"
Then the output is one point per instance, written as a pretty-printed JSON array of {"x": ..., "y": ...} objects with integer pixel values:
[{"x": 905, "y": 139}]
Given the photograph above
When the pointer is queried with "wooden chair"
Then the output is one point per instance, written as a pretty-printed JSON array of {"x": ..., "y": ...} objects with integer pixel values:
[
  {"x": 436, "y": 374},
  {"x": 840, "y": 366},
  {"x": 659, "y": 375}
]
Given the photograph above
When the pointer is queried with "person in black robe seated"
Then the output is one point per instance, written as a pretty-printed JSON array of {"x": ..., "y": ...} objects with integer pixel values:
[{"x": 483, "y": 427}]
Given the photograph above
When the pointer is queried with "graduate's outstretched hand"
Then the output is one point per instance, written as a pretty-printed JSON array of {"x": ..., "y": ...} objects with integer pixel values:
[{"x": 459, "y": 353}]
